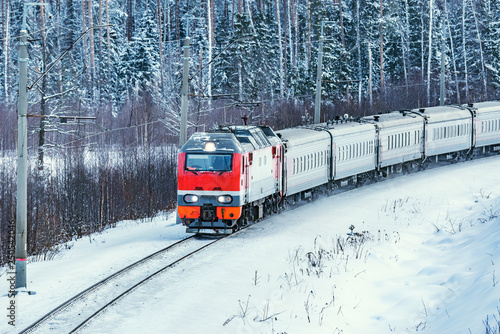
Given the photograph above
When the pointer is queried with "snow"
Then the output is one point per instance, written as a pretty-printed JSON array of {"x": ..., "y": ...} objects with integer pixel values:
[{"x": 429, "y": 262}]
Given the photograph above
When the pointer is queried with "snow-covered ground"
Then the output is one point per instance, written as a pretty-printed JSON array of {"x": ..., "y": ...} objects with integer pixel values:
[{"x": 425, "y": 257}]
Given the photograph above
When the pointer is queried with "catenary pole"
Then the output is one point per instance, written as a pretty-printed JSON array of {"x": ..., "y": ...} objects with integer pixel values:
[
  {"x": 185, "y": 92},
  {"x": 22, "y": 149},
  {"x": 22, "y": 171}
]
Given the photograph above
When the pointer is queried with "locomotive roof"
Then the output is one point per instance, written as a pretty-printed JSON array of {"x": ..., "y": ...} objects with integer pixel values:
[
  {"x": 224, "y": 142},
  {"x": 233, "y": 139}
]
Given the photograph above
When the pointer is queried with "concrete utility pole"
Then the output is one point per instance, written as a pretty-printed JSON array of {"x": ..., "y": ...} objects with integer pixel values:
[
  {"x": 22, "y": 170},
  {"x": 22, "y": 154},
  {"x": 185, "y": 92},
  {"x": 22, "y": 148},
  {"x": 319, "y": 78}
]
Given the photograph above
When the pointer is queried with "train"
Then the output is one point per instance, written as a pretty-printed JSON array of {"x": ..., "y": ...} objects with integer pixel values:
[{"x": 237, "y": 174}]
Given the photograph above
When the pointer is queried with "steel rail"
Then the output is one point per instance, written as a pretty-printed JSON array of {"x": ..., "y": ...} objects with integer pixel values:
[
  {"x": 85, "y": 323},
  {"x": 97, "y": 285}
]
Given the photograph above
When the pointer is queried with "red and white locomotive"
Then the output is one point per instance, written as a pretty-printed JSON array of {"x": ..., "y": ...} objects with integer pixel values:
[
  {"x": 229, "y": 176},
  {"x": 238, "y": 174}
]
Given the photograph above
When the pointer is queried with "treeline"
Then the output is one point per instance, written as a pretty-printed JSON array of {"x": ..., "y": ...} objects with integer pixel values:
[
  {"x": 83, "y": 191},
  {"x": 248, "y": 57}
]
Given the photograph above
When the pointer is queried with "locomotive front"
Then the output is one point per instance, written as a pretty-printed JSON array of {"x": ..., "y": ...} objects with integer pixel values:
[{"x": 209, "y": 183}]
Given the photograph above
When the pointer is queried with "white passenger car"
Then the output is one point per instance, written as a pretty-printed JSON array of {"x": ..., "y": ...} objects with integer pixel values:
[
  {"x": 487, "y": 125},
  {"x": 400, "y": 137},
  {"x": 354, "y": 149},
  {"x": 307, "y": 158},
  {"x": 448, "y": 129}
]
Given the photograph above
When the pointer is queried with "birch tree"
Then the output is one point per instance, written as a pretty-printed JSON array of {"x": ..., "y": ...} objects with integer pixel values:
[{"x": 429, "y": 59}]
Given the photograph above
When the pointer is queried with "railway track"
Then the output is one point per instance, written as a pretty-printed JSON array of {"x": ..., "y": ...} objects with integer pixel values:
[{"x": 75, "y": 313}]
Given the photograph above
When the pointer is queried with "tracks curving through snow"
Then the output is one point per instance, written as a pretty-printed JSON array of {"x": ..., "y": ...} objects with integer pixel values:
[{"x": 77, "y": 312}]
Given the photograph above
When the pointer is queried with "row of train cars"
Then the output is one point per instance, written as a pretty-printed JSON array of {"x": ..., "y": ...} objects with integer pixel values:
[{"x": 237, "y": 174}]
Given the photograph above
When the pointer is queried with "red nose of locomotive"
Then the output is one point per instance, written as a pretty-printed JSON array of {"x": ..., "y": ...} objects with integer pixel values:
[{"x": 209, "y": 182}]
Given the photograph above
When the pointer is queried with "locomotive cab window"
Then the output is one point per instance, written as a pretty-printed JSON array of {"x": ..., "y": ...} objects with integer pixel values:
[{"x": 208, "y": 162}]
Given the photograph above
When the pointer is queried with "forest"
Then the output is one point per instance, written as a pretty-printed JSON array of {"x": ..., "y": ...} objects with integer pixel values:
[{"x": 122, "y": 74}]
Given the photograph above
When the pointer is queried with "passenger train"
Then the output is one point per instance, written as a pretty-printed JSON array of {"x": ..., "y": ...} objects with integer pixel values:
[{"x": 237, "y": 174}]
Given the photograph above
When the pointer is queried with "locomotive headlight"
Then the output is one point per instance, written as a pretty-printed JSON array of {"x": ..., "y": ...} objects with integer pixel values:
[
  {"x": 210, "y": 146},
  {"x": 225, "y": 199},
  {"x": 191, "y": 198}
]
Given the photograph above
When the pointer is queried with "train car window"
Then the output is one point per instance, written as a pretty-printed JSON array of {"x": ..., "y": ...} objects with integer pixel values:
[
  {"x": 208, "y": 162},
  {"x": 260, "y": 161},
  {"x": 250, "y": 158}
]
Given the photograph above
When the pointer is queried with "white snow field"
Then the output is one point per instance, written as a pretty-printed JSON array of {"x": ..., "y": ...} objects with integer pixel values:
[{"x": 425, "y": 257}]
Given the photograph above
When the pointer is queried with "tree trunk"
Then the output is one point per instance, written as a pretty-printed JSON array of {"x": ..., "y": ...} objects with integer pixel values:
[
  {"x": 295, "y": 19},
  {"x": 210, "y": 21},
  {"x": 177, "y": 18},
  {"x": 429, "y": 60},
  {"x": 92, "y": 50},
  {"x": 285, "y": 13},
  {"x": 280, "y": 46},
  {"x": 342, "y": 22},
  {"x": 41, "y": 133},
  {"x": 6, "y": 45},
  {"x": 381, "y": 46},
  {"x": 160, "y": 41},
  {"x": 370, "y": 89},
  {"x": 358, "y": 45},
  {"x": 406, "y": 46},
  {"x": 108, "y": 37},
  {"x": 308, "y": 33},
  {"x": 466, "y": 69},
  {"x": 455, "y": 71}
]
